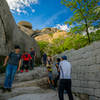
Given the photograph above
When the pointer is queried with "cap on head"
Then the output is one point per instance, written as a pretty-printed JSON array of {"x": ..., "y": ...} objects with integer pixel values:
[
  {"x": 64, "y": 57},
  {"x": 58, "y": 59},
  {"x": 17, "y": 47}
]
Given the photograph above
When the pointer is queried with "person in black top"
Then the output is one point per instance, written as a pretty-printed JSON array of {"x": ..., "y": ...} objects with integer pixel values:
[
  {"x": 44, "y": 59},
  {"x": 49, "y": 60},
  {"x": 58, "y": 70},
  {"x": 14, "y": 64},
  {"x": 33, "y": 55}
]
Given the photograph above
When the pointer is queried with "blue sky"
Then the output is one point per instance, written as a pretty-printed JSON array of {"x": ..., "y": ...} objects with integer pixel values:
[{"x": 41, "y": 13}]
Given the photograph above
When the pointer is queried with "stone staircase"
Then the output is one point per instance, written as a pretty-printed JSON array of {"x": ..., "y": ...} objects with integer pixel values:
[{"x": 31, "y": 86}]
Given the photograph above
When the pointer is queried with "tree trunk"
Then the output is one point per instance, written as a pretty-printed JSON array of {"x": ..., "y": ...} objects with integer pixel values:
[
  {"x": 88, "y": 35},
  {"x": 87, "y": 31}
]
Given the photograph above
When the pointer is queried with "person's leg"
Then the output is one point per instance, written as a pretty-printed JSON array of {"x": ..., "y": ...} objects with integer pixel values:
[
  {"x": 48, "y": 81},
  {"x": 68, "y": 89},
  {"x": 61, "y": 90},
  {"x": 22, "y": 68},
  {"x": 32, "y": 63},
  {"x": 8, "y": 75},
  {"x": 56, "y": 80},
  {"x": 27, "y": 65},
  {"x": 13, "y": 72},
  {"x": 52, "y": 81},
  {"x": 45, "y": 62}
]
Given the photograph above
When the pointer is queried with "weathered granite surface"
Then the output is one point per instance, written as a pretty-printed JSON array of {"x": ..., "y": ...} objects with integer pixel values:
[{"x": 10, "y": 34}]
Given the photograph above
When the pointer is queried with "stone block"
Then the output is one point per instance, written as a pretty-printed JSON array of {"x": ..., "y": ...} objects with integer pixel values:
[
  {"x": 93, "y": 76},
  {"x": 96, "y": 52},
  {"x": 77, "y": 89},
  {"x": 98, "y": 59},
  {"x": 75, "y": 83},
  {"x": 97, "y": 92},
  {"x": 96, "y": 45},
  {"x": 93, "y": 98},
  {"x": 94, "y": 84},
  {"x": 88, "y": 91},
  {"x": 94, "y": 68},
  {"x": 84, "y": 84},
  {"x": 74, "y": 76}
]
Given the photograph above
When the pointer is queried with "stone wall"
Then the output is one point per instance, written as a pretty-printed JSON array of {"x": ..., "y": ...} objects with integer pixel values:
[
  {"x": 10, "y": 34},
  {"x": 86, "y": 70}
]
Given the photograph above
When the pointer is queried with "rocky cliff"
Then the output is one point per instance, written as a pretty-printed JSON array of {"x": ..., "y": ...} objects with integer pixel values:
[
  {"x": 10, "y": 34},
  {"x": 26, "y": 27},
  {"x": 48, "y": 34}
]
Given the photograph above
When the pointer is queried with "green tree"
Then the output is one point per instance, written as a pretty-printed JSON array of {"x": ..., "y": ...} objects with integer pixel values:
[
  {"x": 43, "y": 45},
  {"x": 84, "y": 14}
]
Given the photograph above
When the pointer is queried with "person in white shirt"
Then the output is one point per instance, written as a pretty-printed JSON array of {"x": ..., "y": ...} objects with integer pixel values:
[{"x": 65, "y": 79}]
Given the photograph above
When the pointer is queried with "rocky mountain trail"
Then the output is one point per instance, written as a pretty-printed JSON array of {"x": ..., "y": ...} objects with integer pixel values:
[
  {"x": 27, "y": 87},
  {"x": 32, "y": 85}
]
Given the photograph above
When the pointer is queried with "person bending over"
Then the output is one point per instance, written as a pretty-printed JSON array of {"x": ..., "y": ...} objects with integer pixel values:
[{"x": 26, "y": 57}]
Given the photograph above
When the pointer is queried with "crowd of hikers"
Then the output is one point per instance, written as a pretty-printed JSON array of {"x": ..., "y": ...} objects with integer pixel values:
[{"x": 14, "y": 63}]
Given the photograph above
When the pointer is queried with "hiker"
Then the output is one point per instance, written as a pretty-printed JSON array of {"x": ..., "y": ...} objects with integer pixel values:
[
  {"x": 44, "y": 59},
  {"x": 50, "y": 76},
  {"x": 14, "y": 63},
  {"x": 49, "y": 60},
  {"x": 65, "y": 79},
  {"x": 58, "y": 71},
  {"x": 26, "y": 57},
  {"x": 33, "y": 55}
]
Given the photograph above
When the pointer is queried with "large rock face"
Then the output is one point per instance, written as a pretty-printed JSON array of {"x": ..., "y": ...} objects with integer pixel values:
[
  {"x": 26, "y": 27},
  {"x": 10, "y": 34},
  {"x": 49, "y": 34}
]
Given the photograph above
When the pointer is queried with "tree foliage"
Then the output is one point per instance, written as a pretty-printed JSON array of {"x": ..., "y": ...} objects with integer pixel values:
[
  {"x": 86, "y": 14},
  {"x": 72, "y": 41}
]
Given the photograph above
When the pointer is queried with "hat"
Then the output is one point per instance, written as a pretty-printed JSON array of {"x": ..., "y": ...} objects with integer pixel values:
[
  {"x": 17, "y": 47},
  {"x": 64, "y": 57}
]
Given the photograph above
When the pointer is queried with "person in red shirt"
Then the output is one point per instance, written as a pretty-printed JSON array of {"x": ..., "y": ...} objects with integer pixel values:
[{"x": 26, "y": 57}]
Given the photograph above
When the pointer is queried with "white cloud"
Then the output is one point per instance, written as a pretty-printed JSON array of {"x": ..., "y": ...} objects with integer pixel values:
[
  {"x": 52, "y": 19},
  {"x": 63, "y": 27},
  {"x": 19, "y": 5},
  {"x": 33, "y": 10}
]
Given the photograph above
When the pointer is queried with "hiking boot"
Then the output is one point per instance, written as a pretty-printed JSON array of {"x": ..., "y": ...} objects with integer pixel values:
[
  {"x": 9, "y": 90},
  {"x": 21, "y": 71},
  {"x": 26, "y": 70},
  {"x": 4, "y": 90}
]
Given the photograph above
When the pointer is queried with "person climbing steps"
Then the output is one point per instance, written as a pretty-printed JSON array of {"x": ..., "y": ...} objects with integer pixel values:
[
  {"x": 58, "y": 71},
  {"x": 14, "y": 63},
  {"x": 50, "y": 76},
  {"x": 33, "y": 55},
  {"x": 26, "y": 57}
]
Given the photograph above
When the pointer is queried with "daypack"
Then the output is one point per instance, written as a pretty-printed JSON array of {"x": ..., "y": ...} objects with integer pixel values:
[{"x": 26, "y": 57}]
